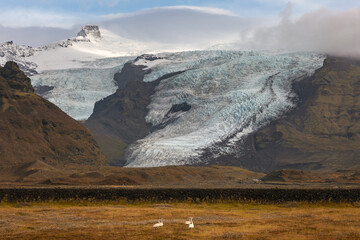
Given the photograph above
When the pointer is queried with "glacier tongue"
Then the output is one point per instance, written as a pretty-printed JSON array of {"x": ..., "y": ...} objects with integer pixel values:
[
  {"x": 231, "y": 95},
  {"x": 76, "y": 90}
]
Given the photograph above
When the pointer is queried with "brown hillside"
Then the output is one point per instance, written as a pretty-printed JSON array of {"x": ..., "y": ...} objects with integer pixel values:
[
  {"x": 40, "y": 174},
  {"x": 33, "y": 129}
]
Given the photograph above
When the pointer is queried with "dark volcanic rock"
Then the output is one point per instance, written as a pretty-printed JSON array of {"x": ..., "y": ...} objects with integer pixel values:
[
  {"x": 120, "y": 117},
  {"x": 33, "y": 129},
  {"x": 90, "y": 30},
  {"x": 172, "y": 115},
  {"x": 122, "y": 114},
  {"x": 129, "y": 73},
  {"x": 183, "y": 107},
  {"x": 43, "y": 90}
]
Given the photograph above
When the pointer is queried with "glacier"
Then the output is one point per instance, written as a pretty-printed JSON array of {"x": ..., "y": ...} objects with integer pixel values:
[
  {"x": 231, "y": 94},
  {"x": 76, "y": 90},
  {"x": 80, "y": 69}
]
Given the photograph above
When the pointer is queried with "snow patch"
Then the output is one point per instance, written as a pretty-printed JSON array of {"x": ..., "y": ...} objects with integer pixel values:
[{"x": 150, "y": 61}]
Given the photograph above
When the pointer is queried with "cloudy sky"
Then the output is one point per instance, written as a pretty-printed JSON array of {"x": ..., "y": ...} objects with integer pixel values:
[
  {"x": 66, "y": 13},
  {"x": 302, "y": 24}
]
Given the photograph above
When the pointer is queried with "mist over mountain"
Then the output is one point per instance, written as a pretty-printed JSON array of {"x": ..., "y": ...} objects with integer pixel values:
[
  {"x": 324, "y": 30},
  {"x": 171, "y": 25},
  {"x": 34, "y": 36},
  {"x": 180, "y": 25}
]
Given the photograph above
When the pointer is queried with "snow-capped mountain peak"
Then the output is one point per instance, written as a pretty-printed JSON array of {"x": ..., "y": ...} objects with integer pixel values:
[
  {"x": 9, "y": 51},
  {"x": 89, "y": 32}
]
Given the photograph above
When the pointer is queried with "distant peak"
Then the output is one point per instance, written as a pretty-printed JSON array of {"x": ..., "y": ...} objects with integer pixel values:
[{"x": 90, "y": 32}]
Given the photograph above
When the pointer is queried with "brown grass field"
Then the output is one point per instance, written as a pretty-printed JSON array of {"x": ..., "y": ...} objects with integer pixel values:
[{"x": 66, "y": 220}]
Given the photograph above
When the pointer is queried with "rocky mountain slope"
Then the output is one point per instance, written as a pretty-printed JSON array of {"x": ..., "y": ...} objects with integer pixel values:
[
  {"x": 120, "y": 118},
  {"x": 322, "y": 133},
  {"x": 123, "y": 114},
  {"x": 33, "y": 129},
  {"x": 205, "y": 107},
  {"x": 189, "y": 108}
]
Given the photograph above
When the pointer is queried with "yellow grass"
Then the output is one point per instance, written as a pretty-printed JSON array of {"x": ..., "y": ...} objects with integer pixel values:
[{"x": 212, "y": 221}]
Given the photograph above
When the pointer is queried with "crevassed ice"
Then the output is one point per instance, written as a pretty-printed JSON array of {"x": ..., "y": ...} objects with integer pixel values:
[
  {"x": 231, "y": 93},
  {"x": 76, "y": 90}
]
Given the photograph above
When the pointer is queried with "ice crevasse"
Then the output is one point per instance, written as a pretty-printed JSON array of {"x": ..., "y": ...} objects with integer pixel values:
[
  {"x": 75, "y": 90},
  {"x": 231, "y": 95}
]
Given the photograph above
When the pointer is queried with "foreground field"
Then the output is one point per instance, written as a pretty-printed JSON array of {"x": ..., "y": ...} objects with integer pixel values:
[{"x": 64, "y": 220}]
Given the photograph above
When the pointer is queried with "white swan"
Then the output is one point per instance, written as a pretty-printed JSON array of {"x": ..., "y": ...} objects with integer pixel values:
[
  {"x": 159, "y": 224},
  {"x": 191, "y": 225}
]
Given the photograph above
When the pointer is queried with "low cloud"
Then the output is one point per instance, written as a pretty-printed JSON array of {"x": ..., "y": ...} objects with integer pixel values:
[
  {"x": 324, "y": 30},
  {"x": 34, "y": 36},
  {"x": 180, "y": 25}
]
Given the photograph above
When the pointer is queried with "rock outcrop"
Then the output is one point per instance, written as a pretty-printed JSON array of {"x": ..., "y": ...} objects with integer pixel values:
[
  {"x": 122, "y": 114},
  {"x": 120, "y": 117},
  {"x": 90, "y": 31},
  {"x": 33, "y": 129}
]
